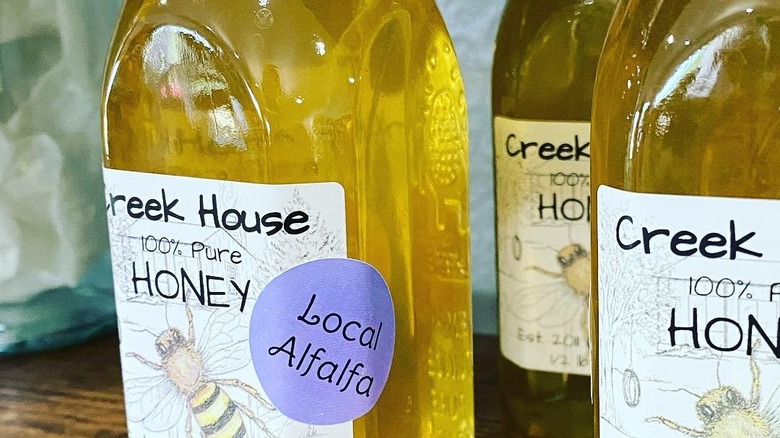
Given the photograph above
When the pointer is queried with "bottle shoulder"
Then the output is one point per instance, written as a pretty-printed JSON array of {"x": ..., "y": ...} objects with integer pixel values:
[
  {"x": 546, "y": 57},
  {"x": 696, "y": 90},
  {"x": 295, "y": 83}
]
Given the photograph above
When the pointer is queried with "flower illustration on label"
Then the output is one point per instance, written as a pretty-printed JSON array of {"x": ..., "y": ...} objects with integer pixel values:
[
  {"x": 322, "y": 337},
  {"x": 574, "y": 261}
]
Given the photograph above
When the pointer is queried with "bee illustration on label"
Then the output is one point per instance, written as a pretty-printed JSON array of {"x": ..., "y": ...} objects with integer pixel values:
[
  {"x": 726, "y": 413},
  {"x": 186, "y": 383},
  {"x": 574, "y": 261},
  {"x": 561, "y": 302}
]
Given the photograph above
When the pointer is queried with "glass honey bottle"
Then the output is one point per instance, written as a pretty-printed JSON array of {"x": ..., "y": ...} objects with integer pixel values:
[
  {"x": 287, "y": 189},
  {"x": 685, "y": 124},
  {"x": 544, "y": 72}
]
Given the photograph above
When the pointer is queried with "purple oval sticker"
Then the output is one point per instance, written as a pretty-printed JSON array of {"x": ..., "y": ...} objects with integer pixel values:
[{"x": 322, "y": 337}]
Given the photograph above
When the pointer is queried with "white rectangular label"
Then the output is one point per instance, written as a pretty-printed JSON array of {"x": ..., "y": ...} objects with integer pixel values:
[
  {"x": 190, "y": 257},
  {"x": 543, "y": 217},
  {"x": 689, "y": 300}
]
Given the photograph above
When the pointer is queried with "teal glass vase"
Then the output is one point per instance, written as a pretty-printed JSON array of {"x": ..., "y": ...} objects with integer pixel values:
[{"x": 55, "y": 270}]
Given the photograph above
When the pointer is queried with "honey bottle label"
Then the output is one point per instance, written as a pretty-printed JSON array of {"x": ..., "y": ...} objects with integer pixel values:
[
  {"x": 239, "y": 313},
  {"x": 543, "y": 226},
  {"x": 689, "y": 304}
]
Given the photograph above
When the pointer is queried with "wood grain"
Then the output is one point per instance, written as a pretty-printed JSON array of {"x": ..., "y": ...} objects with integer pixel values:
[{"x": 77, "y": 392}]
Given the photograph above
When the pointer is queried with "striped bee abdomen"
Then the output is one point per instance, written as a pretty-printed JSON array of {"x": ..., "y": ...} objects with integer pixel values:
[{"x": 217, "y": 415}]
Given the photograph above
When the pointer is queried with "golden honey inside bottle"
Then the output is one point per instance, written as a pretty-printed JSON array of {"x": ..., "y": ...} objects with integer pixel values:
[
  {"x": 254, "y": 152},
  {"x": 685, "y": 132},
  {"x": 543, "y": 77}
]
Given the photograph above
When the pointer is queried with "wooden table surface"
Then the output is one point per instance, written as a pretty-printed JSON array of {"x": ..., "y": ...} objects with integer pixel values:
[{"x": 77, "y": 392}]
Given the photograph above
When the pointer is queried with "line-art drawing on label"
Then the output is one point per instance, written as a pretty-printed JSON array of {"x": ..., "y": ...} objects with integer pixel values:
[
  {"x": 634, "y": 310},
  {"x": 574, "y": 261},
  {"x": 688, "y": 316},
  {"x": 319, "y": 243},
  {"x": 190, "y": 258},
  {"x": 543, "y": 201},
  {"x": 726, "y": 411},
  {"x": 187, "y": 386}
]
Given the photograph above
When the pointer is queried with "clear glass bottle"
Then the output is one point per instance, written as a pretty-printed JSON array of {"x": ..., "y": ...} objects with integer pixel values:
[
  {"x": 55, "y": 272},
  {"x": 363, "y": 93},
  {"x": 684, "y": 131},
  {"x": 543, "y": 76}
]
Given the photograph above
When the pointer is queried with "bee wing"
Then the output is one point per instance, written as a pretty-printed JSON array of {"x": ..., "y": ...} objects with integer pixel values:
[
  {"x": 154, "y": 402},
  {"x": 567, "y": 309},
  {"x": 550, "y": 305},
  {"x": 222, "y": 344},
  {"x": 542, "y": 295},
  {"x": 226, "y": 359},
  {"x": 771, "y": 411}
]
